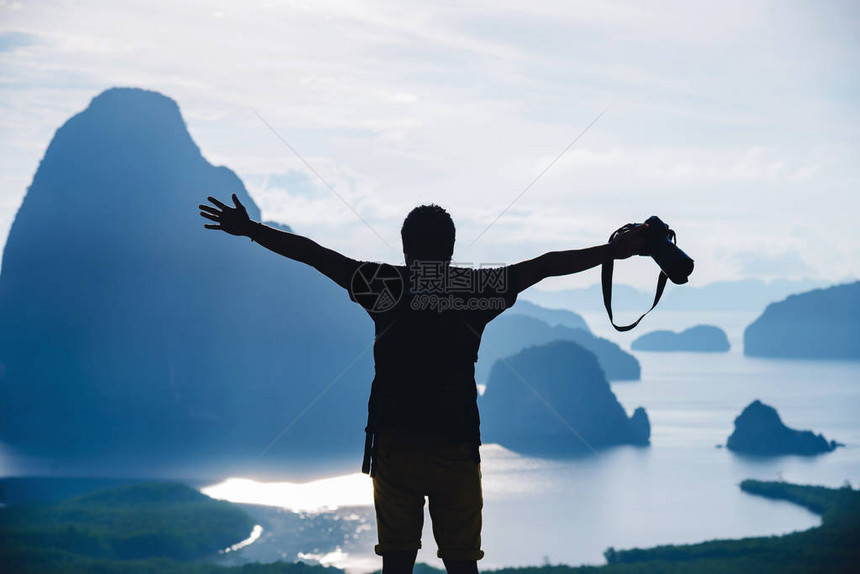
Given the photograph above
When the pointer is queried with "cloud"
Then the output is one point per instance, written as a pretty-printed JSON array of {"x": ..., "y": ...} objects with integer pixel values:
[
  {"x": 772, "y": 265},
  {"x": 292, "y": 182},
  {"x": 687, "y": 165},
  {"x": 11, "y": 40},
  {"x": 721, "y": 117}
]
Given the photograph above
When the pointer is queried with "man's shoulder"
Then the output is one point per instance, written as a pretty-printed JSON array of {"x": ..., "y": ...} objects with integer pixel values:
[
  {"x": 372, "y": 268},
  {"x": 376, "y": 286}
]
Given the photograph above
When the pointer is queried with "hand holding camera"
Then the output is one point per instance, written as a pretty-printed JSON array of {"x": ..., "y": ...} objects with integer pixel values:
[
  {"x": 630, "y": 243},
  {"x": 656, "y": 239},
  {"x": 653, "y": 238}
]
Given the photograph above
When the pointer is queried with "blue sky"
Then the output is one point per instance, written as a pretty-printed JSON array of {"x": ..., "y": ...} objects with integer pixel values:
[{"x": 736, "y": 122}]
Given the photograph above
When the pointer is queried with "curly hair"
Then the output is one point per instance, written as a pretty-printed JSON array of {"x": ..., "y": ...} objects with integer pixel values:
[{"x": 428, "y": 233}]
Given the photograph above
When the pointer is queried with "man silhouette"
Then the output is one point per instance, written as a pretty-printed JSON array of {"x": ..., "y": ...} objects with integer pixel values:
[{"x": 423, "y": 424}]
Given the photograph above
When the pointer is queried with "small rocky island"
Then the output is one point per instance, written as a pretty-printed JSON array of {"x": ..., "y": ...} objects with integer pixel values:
[
  {"x": 554, "y": 400},
  {"x": 760, "y": 431},
  {"x": 509, "y": 334},
  {"x": 700, "y": 339}
]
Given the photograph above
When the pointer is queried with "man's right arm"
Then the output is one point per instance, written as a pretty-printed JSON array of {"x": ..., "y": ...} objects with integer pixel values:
[
  {"x": 235, "y": 221},
  {"x": 330, "y": 263}
]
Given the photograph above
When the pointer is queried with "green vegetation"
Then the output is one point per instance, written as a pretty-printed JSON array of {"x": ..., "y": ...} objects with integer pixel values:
[
  {"x": 139, "y": 529},
  {"x": 131, "y": 522},
  {"x": 156, "y": 528}
]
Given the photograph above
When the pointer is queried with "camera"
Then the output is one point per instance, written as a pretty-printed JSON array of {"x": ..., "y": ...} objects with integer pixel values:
[{"x": 660, "y": 245}]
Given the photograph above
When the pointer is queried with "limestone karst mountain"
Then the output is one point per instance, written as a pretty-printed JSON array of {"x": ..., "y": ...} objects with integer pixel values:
[
  {"x": 512, "y": 332},
  {"x": 129, "y": 332},
  {"x": 819, "y": 324},
  {"x": 554, "y": 399}
]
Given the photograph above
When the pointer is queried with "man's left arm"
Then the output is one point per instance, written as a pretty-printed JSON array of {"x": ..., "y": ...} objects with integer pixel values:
[{"x": 558, "y": 263}]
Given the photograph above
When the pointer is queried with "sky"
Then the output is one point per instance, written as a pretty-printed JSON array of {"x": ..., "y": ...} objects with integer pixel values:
[{"x": 736, "y": 122}]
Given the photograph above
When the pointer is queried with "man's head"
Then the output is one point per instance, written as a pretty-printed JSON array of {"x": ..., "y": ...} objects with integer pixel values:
[{"x": 428, "y": 234}]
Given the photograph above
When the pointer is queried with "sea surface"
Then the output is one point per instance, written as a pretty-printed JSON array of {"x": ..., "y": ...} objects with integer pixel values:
[{"x": 683, "y": 488}]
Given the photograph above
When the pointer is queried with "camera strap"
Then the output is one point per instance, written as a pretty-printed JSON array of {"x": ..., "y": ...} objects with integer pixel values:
[{"x": 606, "y": 278}]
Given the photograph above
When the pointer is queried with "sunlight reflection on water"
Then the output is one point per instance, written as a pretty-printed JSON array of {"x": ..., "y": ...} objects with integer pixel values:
[
  {"x": 315, "y": 496},
  {"x": 255, "y": 535}
]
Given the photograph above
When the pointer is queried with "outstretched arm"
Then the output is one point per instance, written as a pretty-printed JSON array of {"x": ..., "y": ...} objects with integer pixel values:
[
  {"x": 235, "y": 221},
  {"x": 556, "y": 263}
]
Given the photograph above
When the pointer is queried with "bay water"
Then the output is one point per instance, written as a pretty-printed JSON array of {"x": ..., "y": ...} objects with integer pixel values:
[{"x": 683, "y": 488}]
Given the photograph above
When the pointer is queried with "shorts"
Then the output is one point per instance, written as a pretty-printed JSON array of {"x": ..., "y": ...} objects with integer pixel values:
[{"x": 410, "y": 466}]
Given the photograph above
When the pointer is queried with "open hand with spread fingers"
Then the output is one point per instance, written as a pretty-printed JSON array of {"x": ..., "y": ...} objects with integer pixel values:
[{"x": 233, "y": 220}]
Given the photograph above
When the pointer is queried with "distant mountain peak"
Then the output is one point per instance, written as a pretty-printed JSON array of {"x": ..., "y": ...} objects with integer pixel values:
[
  {"x": 127, "y": 159},
  {"x": 127, "y": 327},
  {"x": 124, "y": 127},
  {"x": 122, "y": 96}
]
